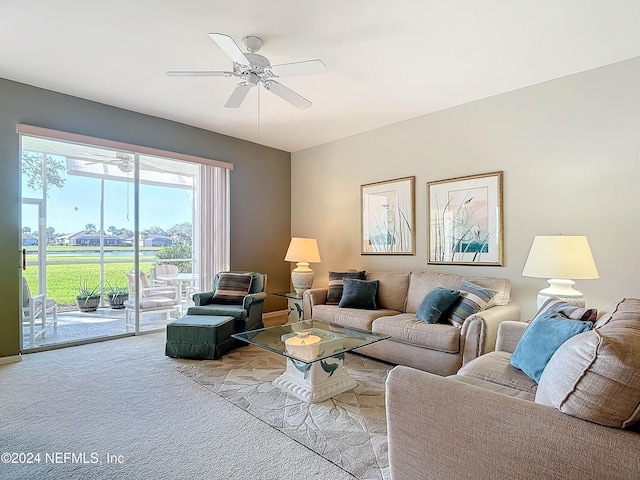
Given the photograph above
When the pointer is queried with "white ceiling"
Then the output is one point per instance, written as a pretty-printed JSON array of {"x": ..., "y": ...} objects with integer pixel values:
[{"x": 387, "y": 60}]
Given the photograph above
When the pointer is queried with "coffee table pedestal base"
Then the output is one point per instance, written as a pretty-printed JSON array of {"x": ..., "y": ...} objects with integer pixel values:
[{"x": 315, "y": 382}]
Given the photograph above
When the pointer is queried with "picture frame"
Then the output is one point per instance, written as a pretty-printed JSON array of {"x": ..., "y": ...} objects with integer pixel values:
[
  {"x": 387, "y": 220},
  {"x": 465, "y": 220}
]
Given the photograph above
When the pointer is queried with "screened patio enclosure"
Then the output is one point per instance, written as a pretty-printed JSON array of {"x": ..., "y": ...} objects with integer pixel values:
[{"x": 91, "y": 213}]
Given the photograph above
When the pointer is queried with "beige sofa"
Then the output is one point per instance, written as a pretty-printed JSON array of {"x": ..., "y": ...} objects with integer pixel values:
[
  {"x": 492, "y": 422},
  {"x": 438, "y": 348}
]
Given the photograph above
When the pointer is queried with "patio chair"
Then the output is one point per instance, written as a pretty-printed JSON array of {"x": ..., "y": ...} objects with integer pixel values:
[
  {"x": 35, "y": 310},
  {"x": 153, "y": 297},
  {"x": 164, "y": 269}
]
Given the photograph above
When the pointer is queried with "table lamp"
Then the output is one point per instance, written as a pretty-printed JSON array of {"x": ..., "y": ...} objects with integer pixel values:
[
  {"x": 302, "y": 251},
  {"x": 560, "y": 258}
]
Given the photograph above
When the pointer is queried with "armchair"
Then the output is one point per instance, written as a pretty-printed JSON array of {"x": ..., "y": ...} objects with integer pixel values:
[
  {"x": 151, "y": 288},
  {"x": 164, "y": 269},
  {"x": 152, "y": 297},
  {"x": 247, "y": 314}
]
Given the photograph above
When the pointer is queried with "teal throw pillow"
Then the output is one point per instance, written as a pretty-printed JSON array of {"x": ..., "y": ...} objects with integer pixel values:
[
  {"x": 435, "y": 303},
  {"x": 541, "y": 339},
  {"x": 359, "y": 294}
]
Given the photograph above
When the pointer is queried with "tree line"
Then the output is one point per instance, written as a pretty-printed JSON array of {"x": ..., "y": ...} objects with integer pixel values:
[{"x": 180, "y": 234}]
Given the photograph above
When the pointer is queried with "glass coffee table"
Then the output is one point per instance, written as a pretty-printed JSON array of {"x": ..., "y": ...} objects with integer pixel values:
[{"x": 315, "y": 352}]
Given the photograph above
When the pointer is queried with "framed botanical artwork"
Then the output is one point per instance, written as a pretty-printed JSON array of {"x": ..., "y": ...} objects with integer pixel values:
[
  {"x": 465, "y": 220},
  {"x": 388, "y": 217}
]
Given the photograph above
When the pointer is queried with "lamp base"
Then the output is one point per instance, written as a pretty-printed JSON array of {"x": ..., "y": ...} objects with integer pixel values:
[
  {"x": 302, "y": 277},
  {"x": 561, "y": 289}
]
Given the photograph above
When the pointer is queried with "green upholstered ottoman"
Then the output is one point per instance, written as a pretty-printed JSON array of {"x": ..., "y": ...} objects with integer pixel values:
[{"x": 200, "y": 337}]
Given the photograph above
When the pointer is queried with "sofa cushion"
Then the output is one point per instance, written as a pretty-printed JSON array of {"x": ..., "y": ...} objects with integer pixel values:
[
  {"x": 568, "y": 310},
  {"x": 392, "y": 290},
  {"x": 232, "y": 288},
  {"x": 495, "y": 367},
  {"x": 473, "y": 298},
  {"x": 359, "y": 294},
  {"x": 541, "y": 339},
  {"x": 611, "y": 313},
  {"x": 595, "y": 376},
  {"x": 336, "y": 284},
  {"x": 495, "y": 387},
  {"x": 420, "y": 283},
  {"x": 435, "y": 303},
  {"x": 406, "y": 328},
  {"x": 349, "y": 317}
]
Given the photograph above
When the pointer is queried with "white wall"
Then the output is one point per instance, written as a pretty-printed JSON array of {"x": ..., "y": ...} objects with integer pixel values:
[{"x": 570, "y": 152}]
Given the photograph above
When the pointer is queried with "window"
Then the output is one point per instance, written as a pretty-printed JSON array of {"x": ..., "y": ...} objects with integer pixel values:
[{"x": 94, "y": 209}]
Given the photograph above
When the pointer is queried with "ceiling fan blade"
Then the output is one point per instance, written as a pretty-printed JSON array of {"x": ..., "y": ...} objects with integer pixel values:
[
  {"x": 87, "y": 161},
  {"x": 287, "y": 95},
  {"x": 308, "y": 67},
  {"x": 238, "y": 95},
  {"x": 231, "y": 48},
  {"x": 190, "y": 73}
]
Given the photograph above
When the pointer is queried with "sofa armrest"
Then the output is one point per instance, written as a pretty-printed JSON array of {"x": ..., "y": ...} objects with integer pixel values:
[
  {"x": 509, "y": 334},
  {"x": 202, "y": 298},
  {"x": 480, "y": 330},
  {"x": 311, "y": 298},
  {"x": 482, "y": 434},
  {"x": 253, "y": 298}
]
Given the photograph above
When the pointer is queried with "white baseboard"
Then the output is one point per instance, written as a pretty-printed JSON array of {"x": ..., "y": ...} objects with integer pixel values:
[{"x": 11, "y": 359}]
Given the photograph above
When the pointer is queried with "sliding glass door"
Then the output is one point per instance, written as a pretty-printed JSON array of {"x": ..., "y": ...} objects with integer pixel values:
[
  {"x": 165, "y": 237},
  {"x": 103, "y": 231}
]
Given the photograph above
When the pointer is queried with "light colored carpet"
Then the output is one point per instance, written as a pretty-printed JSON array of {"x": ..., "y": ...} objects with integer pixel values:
[
  {"x": 124, "y": 399},
  {"x": 348, "y": 429}
]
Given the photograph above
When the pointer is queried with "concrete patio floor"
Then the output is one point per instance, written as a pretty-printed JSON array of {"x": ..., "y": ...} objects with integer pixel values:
[{"x": 75, "y": 326}]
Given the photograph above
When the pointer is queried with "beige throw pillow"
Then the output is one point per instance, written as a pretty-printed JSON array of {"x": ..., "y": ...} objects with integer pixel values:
[{"x": 596, "y": 374}]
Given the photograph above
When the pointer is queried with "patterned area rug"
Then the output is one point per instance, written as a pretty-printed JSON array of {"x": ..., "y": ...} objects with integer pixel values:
[{"x": 349, "y": 429}]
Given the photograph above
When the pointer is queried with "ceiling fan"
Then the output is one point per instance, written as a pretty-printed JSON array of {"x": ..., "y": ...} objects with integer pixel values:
[
  {"x": 253, "y": 69},
  {"x": 123, "y": 161}
]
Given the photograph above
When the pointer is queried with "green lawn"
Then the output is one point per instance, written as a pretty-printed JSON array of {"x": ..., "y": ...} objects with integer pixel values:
[
  {"x": 63, "y": 280},
  {"x": 64, "y": 272}
]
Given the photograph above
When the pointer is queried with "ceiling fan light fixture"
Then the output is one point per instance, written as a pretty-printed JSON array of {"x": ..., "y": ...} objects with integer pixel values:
[
  {"x": 252, "y": 79},
  {"x": 125, "y": 167}
]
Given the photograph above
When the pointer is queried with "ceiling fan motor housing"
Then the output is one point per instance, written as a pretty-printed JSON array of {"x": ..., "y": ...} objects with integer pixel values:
[
  {"x": 252, "y": 44},
  {"x": 260, "y": 66}
]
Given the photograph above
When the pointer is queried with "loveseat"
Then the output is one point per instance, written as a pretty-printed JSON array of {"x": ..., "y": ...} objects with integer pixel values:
[
  {"x": 491, "y": 421},
  {"x": 440, "y": 348}
]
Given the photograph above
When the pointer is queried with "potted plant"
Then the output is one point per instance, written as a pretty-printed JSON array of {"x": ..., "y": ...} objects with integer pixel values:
[
  {"x": 117, "y": 295},
  {"x": 88, "y": 298}
]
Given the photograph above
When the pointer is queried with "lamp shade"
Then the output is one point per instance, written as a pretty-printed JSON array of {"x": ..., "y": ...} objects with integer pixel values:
[
  {"x": 559, "y": 259},
  {"x": 560, "y": 256},
  {"x": 303, "y": 250}
]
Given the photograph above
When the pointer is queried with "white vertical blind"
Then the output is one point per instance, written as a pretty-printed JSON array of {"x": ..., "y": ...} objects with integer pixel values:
[{"x": 212, "y": 229}]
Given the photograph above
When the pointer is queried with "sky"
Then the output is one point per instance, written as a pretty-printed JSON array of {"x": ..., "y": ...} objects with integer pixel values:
[{"x": 78, "y": 204}]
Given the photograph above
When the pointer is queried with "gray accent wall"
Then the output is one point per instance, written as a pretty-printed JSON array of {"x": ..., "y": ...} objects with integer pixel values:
[
  {"x": 570, "y": 152},
  {"x": 260, "y": 185}
]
